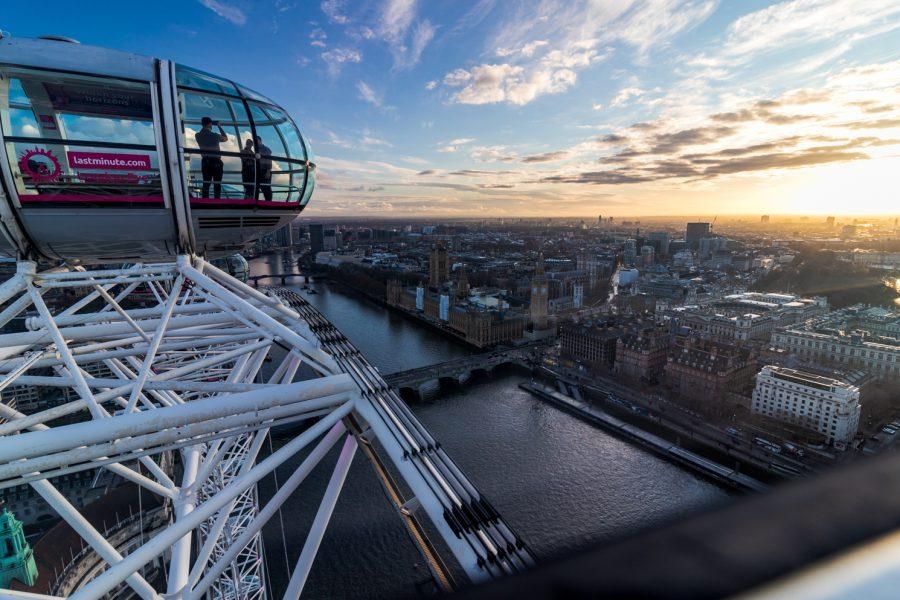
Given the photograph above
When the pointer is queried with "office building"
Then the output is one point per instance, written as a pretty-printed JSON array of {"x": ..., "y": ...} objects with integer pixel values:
[
  {"x": 284, "y": 237},
  {"x": 708, "y": 371},
  {"x": 629, "y": 255},
  {"x": 746, "y": 316},
  {"x": 695, "y": 232},
  {"x": 316, "y": 238},
  {"x": 590, "y": 343},
  {"x": 854, "y": 337},
  {"x": 828, "y": 406},
  {"x": 660, "y": 241},
  {"x": 641, "y": 355},
  {"x": 647, "y": 255},
  {"x": 709, "y": 246}
]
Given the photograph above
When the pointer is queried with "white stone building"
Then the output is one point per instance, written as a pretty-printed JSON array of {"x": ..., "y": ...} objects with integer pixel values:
[{"x": 828, "y": 406}]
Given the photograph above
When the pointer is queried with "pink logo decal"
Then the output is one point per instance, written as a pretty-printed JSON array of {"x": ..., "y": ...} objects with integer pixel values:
[
  {"x": 103, "y": 160},
  {"x": 40, "y": 165}
]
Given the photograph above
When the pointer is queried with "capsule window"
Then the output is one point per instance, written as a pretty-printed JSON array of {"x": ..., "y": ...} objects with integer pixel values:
[
  {"x": 238, "y": 147},
  {"x": 78, "y": 138},
  {"x": 192, "y": 78},
  {"x": 219, "y": 160}
]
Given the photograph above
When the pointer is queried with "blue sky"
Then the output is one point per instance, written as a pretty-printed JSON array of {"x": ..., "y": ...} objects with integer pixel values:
[{"x": 552, "y": 107}]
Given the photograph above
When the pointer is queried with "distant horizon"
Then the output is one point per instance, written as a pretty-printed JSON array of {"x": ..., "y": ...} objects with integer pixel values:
[{"x": 686, "y": 218}]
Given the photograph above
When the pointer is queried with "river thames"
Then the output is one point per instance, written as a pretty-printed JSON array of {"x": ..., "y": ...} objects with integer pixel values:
[{"x": 560, "y": 483}]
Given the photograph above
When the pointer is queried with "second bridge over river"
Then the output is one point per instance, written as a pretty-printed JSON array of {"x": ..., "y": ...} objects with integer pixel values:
[{"x": 460, "y": 369}]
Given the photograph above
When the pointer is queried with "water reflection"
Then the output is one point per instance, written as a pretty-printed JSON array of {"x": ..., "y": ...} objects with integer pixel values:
[{"x": 559, "y": 482}]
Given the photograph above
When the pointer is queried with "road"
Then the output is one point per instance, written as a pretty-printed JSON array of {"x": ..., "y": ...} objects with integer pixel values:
[{"x": 685, "y": 423}]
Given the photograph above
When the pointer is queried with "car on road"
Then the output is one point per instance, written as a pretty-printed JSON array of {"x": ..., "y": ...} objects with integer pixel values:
[{"x": 767, "y": 445}]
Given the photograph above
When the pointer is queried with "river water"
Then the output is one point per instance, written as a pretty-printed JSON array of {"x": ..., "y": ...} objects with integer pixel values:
[{"x": 560, "y": 483}]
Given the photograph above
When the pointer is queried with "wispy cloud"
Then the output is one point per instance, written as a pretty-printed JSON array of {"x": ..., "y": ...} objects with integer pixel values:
[
  {"x": 336, "y": 59},
  {"x": 802, "y": 22},
  {"x": 624, "y": 95},
  {"x": 369, "y": 95},
  {"x": 227, "y": 11},
  {"x": 333, "y": 9},
  {"x": 546, "y": 43},
  {"x": 318, "y": 37},
  {"x": 406, "y": 36}
]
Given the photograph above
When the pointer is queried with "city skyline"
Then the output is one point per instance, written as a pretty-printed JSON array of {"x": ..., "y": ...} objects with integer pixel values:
[{"x": 557, "y": 109}]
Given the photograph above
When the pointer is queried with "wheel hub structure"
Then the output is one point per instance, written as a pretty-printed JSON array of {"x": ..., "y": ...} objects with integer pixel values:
[{"x": 171, "y": 376}]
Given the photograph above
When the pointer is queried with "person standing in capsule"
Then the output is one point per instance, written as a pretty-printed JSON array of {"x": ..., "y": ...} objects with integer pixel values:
[
  {"x": 265, "y": 169},
  {"x": 248, "y": 168},
  {"x": 210, "y": 163}
]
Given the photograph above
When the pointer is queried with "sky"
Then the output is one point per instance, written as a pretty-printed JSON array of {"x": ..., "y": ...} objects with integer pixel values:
[{"x": 483, "y": 108}]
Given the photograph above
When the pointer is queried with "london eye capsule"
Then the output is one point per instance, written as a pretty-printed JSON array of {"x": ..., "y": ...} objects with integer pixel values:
[{"x": 109, "y": 156}]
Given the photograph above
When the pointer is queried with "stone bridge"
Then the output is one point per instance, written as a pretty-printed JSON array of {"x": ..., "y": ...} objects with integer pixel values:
[
  {"x": 460, "y": 369},
  {"x": 284, "y": 278}
]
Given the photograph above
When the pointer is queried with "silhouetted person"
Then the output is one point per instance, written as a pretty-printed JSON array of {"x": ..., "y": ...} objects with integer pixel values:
[
  {"x": 248, "y": 169},
  {"x": 264, "y": 172},
  {"x": 210, "y": 164}
]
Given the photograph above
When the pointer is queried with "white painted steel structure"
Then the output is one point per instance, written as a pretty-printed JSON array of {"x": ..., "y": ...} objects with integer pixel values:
[{"x": 188, "y": 377}]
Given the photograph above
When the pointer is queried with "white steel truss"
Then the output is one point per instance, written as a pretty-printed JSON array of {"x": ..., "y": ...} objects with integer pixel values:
[{"x": 151, "y": 360}]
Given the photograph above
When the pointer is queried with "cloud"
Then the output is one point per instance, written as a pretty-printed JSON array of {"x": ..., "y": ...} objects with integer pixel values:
[
  {"x": 656, "y": 22},
  {"x": 546, "y": 43},
  {"x": 406, "y": 36},
  {"x": 474, "y": 16},
  {"x": 664, "y": 143},
  {"x": 333, "y": 10},
  {"x": 876, "y": 124},
  {"x": 396, "y": 18},
  {"x": 787, "y": 153},
  {"x": 597, "y": 106},
  {"x": 369, "y": 140},
  {"x": 493, "y": 154},
  {"x": 800, "y": 22},
  {"x": 624, "y": 95},
  {"x": 367, "y": 94},
  {"x": 479, "y": 173},
  {"x": 526, "y": 50},
  {"x": 318, "y": 37},
  {"x": 414, "y": 160},
  {"x": 486, "y": 84},
  {"x": 336, "y": 58},
  {"x": 422, "y": 35},
  {"x": 431, "y": 84},
  {"x": 612, "y": 138},
  {"x": 872, "y": 106},
  {"x": 227, "y": 11},
  {"x": 545, "y": 157},
  {"x": 336, "y": 140},
  {"x": 454, "y": 145},
  {"x": 761, "y": 110}
]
